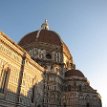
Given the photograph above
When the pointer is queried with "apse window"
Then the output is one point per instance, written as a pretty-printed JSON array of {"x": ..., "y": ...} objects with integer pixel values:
[
  {"x": 4, "y": 79},
  {"x": 48, "y": 56}
]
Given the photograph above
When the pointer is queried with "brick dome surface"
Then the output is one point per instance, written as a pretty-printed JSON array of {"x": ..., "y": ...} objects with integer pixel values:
[
  {"x": 44, "y": 35},
  {"x": 74, "y": 72}
]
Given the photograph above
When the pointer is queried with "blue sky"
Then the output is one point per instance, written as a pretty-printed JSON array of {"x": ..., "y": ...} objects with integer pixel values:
[{"x": 82, "y": 24}]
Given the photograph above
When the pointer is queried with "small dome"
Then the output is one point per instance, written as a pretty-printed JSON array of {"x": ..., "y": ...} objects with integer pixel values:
[
  {"x": 43, "y": 35},
  {"x": 74, "y": 72}
]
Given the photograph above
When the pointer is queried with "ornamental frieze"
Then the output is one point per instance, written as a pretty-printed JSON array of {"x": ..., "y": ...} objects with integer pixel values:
[{"x": 8, "y": 52}]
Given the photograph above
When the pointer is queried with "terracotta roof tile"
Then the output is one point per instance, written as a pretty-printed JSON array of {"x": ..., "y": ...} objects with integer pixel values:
[
  {"x": 45, "y": 36},
  {"x": 74, "y": 72}
]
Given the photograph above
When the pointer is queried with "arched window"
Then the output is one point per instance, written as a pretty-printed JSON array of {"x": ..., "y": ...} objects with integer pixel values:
[
  {"x": 33, "y": 94},
  {"x": 74, "y": 83},
  {"x": 87, "y": 105},
  {"x": 39, "y": 106},
  {"x": 80, "y": 88},
  {"x": 69, "y": 87},
  {"x": 64, "y": 104},
  {"x": 65, "y": 88},
  {"x": 4, "y": 79},
  {"x": 35, "y": 53},
  {"x": 67, "y": 64},
  {"x": 87, "y": 98}
]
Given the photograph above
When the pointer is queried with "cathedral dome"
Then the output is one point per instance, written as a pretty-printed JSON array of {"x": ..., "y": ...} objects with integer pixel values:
[
  {"x": 43, "y": 35},
  {"x": 74, "y": 72},
  {"x": 47, "y": 42}
]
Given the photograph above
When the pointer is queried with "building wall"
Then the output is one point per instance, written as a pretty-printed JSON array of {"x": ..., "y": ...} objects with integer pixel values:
[
  {"x": 51, "y": 58},
  {"x": 24, "y": 83},
  {"x": 79, "y": 93},
  {"x": 19, "y": 75}
]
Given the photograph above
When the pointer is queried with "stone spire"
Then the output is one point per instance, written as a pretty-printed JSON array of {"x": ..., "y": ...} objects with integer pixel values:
[{"x": 45, "y": 25}]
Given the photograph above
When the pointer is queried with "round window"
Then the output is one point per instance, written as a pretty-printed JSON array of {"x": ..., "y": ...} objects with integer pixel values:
[{"x": 48, "y": 56}]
